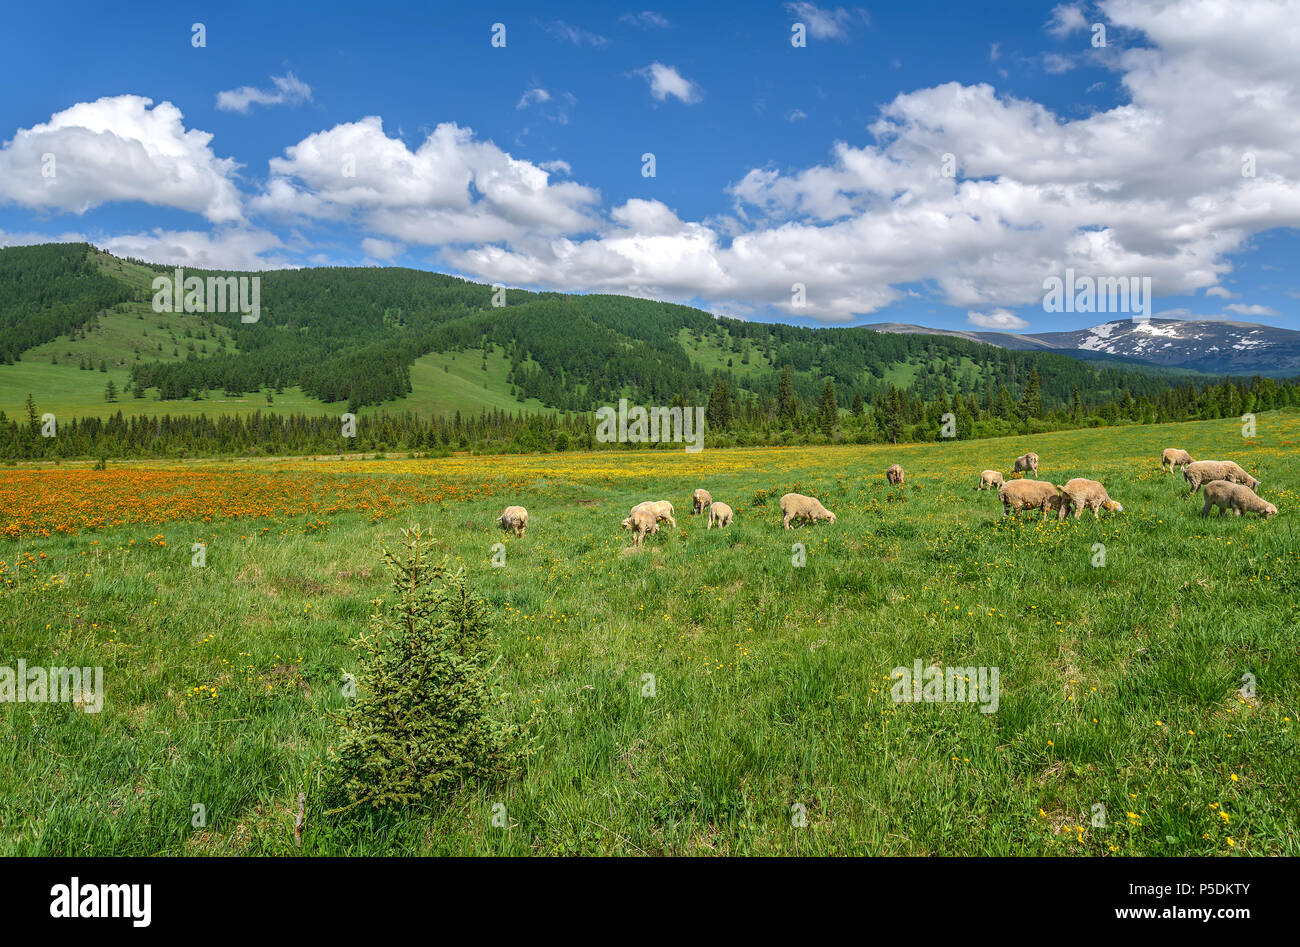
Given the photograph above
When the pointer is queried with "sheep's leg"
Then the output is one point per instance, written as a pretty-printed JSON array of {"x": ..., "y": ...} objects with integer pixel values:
[{"x": 1205, "y": 510}]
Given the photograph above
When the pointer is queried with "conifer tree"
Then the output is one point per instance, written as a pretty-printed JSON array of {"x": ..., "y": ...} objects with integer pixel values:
[{"x": 427, "y": 717}]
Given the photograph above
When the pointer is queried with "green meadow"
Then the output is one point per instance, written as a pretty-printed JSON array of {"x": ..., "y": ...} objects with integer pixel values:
[{"x": 702, "y": 694}]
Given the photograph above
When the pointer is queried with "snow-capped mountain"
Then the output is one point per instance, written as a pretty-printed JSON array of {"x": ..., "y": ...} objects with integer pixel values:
[{"x": 1216, "y": 347}]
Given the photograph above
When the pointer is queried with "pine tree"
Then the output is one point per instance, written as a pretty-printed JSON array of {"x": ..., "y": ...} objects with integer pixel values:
[
  {"x": 891, "y": 421},
  {"x": 719, "y": 412},
  {"x": 1031, "y": 399},
  {"x": 425, "y": 719},
  {"x": 828, "y": 411},
  {"x": 787, "y": 405}
]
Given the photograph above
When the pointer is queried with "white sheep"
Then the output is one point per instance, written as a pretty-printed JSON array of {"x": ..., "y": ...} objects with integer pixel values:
[
  {"x": 990, "y": 478},
  {"x": 662, "y": 510},
  {"x": 514, "y": 518},
  {"x": 1174, "y": 457},
  {"x": 1207, "y": 471},
  {"x": 720, "y": 513},
  {"x": 1236, "y": 497},
  {"x": 1026, "y": 462},
  {"x": 641, "y": 523},
  {"x": 1017, "y": 495},
  {"x": 1083, "y": 494},
  {"x": 700, "y": 500},
  {"x": 796, "y": 506},
  {"x": 894, "y": 474}
]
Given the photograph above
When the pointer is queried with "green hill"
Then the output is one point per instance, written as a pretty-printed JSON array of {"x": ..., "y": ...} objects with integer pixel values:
[{"x": 74, "y": 319}]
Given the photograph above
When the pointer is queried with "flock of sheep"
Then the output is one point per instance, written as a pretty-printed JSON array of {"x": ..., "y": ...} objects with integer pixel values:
[{"x": 1227, "y": 486}]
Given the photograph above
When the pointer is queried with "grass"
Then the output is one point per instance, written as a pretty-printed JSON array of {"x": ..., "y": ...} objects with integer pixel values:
[
  {"x": 1119, "y": 684},
  {"x": 442, "y": 383}
]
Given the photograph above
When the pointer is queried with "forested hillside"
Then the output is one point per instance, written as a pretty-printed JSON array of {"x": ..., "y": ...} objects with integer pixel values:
[
  {"x": 352, "y": 334},
  {"x": 48, "y": 291},
  {"x": 520, "y": 376}
]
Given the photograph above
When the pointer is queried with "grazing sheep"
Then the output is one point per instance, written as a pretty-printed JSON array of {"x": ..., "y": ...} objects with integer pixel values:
[
  {"x": 1026, "y": 462},
  {"x": 699, "y": 500},
  {"x": 990, "y": 478},
  {"x": 894, "y": 474},
  {"x": 721, "y": 514},
  {"x": 641, "y": 523},
  {"x": 662, "y": 510},
  {"x": 1083, "y": 495},
  {"x": 1029, "y": 495},
  {"x": 796, "y": 506},
  {"x": 1240, "y": 499},
  {"x": 1173, "y": 457},
  {"x": 514, "y": 518},
  {"x": 1208, "y": 471}
]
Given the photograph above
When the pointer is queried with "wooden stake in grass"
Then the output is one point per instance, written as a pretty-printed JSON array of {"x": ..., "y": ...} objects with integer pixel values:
[{"x": 297, "y": 828}]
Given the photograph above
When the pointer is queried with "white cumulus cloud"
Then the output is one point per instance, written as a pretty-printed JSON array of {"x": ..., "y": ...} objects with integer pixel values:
[
  {"x": 452, "y": 189},
  {"x": 1001, "y": 320},
  {"x": 118, "y": 149}
]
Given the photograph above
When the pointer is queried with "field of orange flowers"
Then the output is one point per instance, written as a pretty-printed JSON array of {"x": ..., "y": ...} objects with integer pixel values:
[{"x": 69, "y": 502}]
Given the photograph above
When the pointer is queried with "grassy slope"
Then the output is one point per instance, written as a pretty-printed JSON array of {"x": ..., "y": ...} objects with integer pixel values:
[
  {"x": 445, "y": 382},
  {"x": 1118, "y": 684},
  {"x": 68, "y": 391}
]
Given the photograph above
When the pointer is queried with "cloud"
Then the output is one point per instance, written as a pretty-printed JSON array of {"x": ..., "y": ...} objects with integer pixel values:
[
  {"x": 796, "y": 115},
  {"x": 452, "y": 189},
  {"x": 666, "y": 81},
  {"x": 646, "y": 19},
  {"x": 382, "y": 249},
  {"x": 1037, "y": 191},
  {"x": 1221, "y": 292},
  {"x": 1066, "y": 18},
  {"x": 826, "y": 23},
  {"x": 553, "y": 108},
  {"x": 228, "y": 248},
  {"x": 1055, "y": 65},
  {"x": 118, "y": 149},
  {"x": 1244, "y": 310},
  {"x": 289, "y": 90},
  {"x": 575, "y": 35},
  {"x": 999, "y": 320},
  {"x": 10, "y": 239},
  {"x": 532, "y": 97}
]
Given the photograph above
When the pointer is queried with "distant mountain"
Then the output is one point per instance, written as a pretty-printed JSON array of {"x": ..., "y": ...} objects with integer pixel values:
[{"x": 1213, "y": 347}]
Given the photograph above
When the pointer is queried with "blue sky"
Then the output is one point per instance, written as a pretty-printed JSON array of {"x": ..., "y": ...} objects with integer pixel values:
[{"x": 775, "y": 165}]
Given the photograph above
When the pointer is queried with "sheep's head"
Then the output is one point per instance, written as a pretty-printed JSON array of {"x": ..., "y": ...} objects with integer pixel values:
[
  {"x": 1269, "y": 510},
  {"x": 1112, "y": 506},
  {"x": 627, "y": 523},
  {"x": 830, "y": 517}
]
